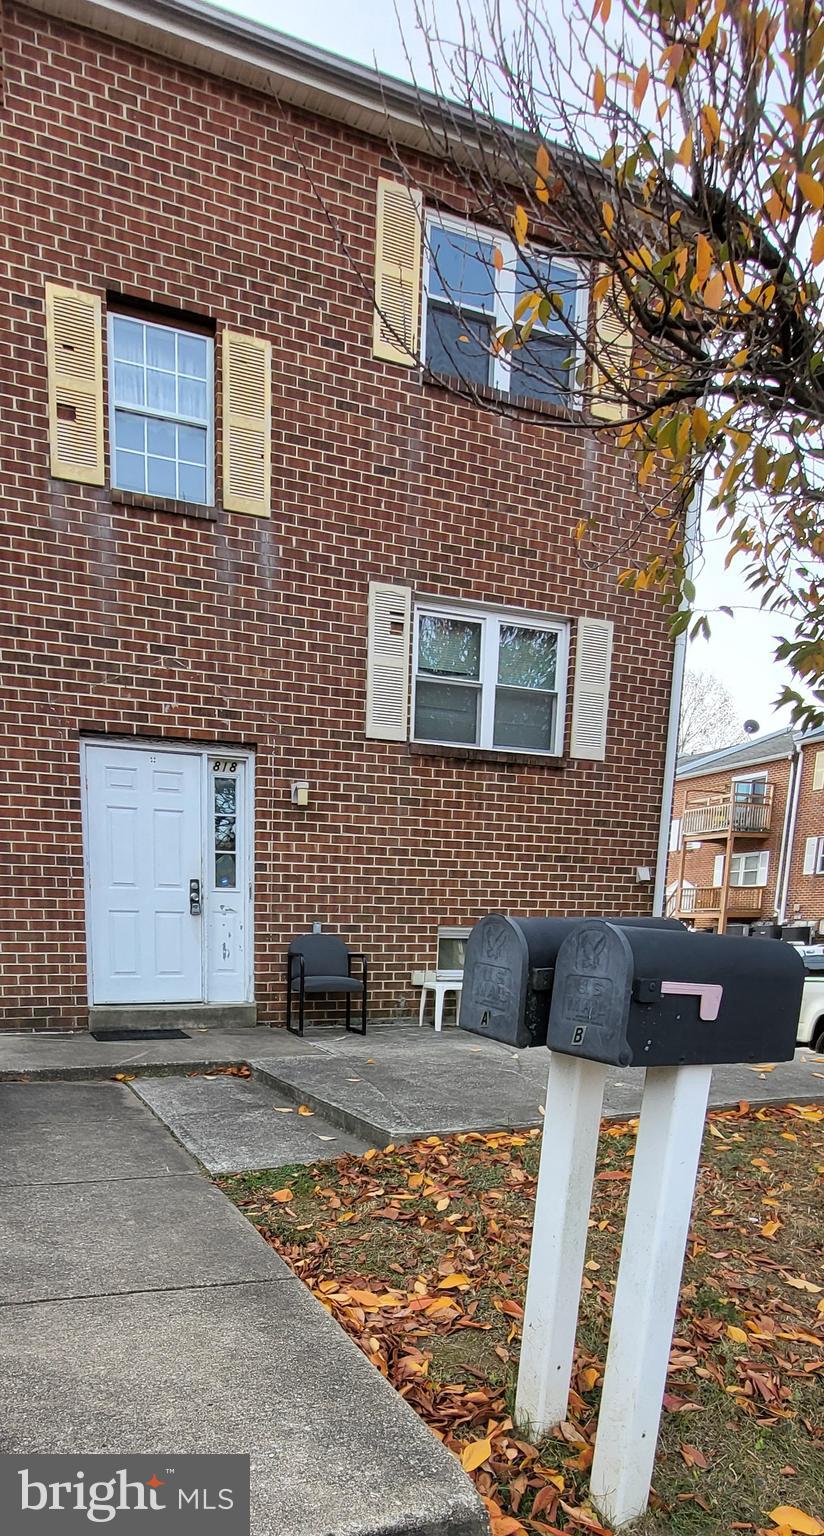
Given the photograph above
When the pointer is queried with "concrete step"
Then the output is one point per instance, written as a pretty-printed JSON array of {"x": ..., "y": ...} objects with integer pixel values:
[
  {"x": 235, "y": 1125},
  {"x": 222, "y": 1016}
]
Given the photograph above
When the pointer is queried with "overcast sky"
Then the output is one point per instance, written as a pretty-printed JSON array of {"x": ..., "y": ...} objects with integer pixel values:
[{"x": 740, "y": 651}]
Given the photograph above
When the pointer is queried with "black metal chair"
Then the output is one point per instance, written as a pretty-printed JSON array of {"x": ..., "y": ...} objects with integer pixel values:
[{"x": 321, "y": 962}]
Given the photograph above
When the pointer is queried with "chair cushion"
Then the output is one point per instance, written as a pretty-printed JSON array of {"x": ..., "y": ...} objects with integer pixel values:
[{"x": 329, "y": 984}]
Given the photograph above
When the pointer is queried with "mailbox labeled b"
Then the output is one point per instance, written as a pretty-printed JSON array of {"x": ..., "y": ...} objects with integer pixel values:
[{"x": 641, "y": 997}]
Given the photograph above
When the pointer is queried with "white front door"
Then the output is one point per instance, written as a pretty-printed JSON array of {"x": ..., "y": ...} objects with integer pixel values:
[{"x": 168, "y": 837}]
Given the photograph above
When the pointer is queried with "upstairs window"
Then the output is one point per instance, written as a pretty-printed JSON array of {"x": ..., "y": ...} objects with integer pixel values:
[
  {"x": 471, "y": 295},
  {"x": 487, "y": 681},
  {"x": 161, "y": 409}
]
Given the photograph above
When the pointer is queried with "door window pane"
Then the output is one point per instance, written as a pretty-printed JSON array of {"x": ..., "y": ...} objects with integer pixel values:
[
  {"x": 449, "y": 647},
  {"x": 225, "y": 870},
  {"x": 527, "y": 657},
  {"x": 524, "y": 720},
  {"x": 446, "y": 712},
  {"x": 225, "y": 796}
]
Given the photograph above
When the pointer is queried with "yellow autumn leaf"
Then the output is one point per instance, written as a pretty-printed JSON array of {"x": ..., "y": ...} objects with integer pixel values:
[
  {"x": 283, "y": 1196},
  {"x": 475, "y": 1454},
  {"x": 303, "y": 1109},
  {"x": 703, "y": 259},
  {"x": 770, "y": 1228},
  {"x": 589, "y": 1376},
  {"x": 711, "y": 124},
  {"x": 804, "y": 1525},
  {"x": 700, "y": 425},
  {"x": 818, "y": 246},
  {"x": 641, "y": 86},
  {"x": 599, "y": 90},
  {"x": 737, "y": 1335},
  {"x": 684, "y": 155},
  {"x": 457, "y": 1282},
  {"x": 813, "y": 190},
  {"x": 714, "y": 291},
  {"x": 520, "y": 224},
  {"x": 498, "y": 259},
  {"x": 542, "y": 161},
  {"x": 800, "y": 1283},
  {"x": 609, "y": 215}
]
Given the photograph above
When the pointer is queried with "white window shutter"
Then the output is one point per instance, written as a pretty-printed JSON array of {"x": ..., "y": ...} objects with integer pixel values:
[
  {"x": 818, "y": 771},
  {"x": 387, "y": 669},
  {"x": 718, "y": 869},
  {"x": 612, "y": 343},
  {"x": 247, "y": 424},
  {"x": 74, "y": 351},
  {"x": 590, "y": 698},
  {"x": 810, "y": 855},
  {"x": 397, "y": 272},
  {"x": 675, "y": 835},
  {"x": 763, "y": 867}
]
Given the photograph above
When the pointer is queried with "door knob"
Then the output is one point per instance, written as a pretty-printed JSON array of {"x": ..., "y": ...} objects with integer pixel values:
[{"x": 194, "y": 898}]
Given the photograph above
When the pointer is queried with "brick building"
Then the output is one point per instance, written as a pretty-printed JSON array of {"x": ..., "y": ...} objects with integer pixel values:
[
  {"x": 250, "y": 544},
  {"x": 759, "y": 806}
]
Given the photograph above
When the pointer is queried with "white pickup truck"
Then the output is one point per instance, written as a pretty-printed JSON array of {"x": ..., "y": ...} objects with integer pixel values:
[{"x": 811, "y": 1019}]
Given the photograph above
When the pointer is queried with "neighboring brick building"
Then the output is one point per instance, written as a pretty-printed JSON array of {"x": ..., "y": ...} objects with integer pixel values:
[
  {"x": 772, "y": 791},
  {"x": 210, "y": 461}
]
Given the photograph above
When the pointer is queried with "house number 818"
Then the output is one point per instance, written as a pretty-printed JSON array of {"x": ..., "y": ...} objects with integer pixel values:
[{"x": 223, "y": 765}]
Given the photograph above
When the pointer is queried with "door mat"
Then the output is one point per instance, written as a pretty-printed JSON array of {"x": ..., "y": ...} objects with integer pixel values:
[{"x": 108, "y": 1035}]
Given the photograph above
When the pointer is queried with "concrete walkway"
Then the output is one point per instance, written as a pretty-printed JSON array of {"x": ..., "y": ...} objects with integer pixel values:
[
  {"x": 396, "y": 1083},
  {"x": 140, "y": 1312}
]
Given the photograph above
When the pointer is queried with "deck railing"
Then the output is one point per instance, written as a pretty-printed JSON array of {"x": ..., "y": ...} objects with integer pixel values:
[
  {"x": 742, "y": 900},
  {"x": 717, "y": 812}
]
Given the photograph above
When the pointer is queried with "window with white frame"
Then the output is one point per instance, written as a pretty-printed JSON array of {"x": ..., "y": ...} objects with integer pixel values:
[
  {"x": 161, "y": 409},
  {"x": 489, "y": 680},
  {"x": 749, "y": 868},
  {"x": 474, "y": 282}
]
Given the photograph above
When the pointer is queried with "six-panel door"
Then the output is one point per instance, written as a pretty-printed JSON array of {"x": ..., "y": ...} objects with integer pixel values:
[{"x": 144, "y": 831}]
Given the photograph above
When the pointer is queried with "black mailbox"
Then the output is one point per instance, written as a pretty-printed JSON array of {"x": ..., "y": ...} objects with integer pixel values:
[
  {"x": 640, "y": 998},
  {"x": 508, "y": 973}
]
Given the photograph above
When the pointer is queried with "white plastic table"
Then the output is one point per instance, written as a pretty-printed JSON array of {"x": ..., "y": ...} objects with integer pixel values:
[{"x": 439, "y": 988}]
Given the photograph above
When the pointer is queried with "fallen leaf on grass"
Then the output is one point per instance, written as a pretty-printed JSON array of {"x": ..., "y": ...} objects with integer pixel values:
[
  {"x": 454, "y": 1283},
  {"x": 737, "y": 1335},
  {"x": 506, "y": 1525},
  {"x": 475, "y": 1454},
  {"x": 796, "y": 1520},
  {"x": 693, "y": 1457},
  {"x": 283, "y": 1196},
  {"x": 799, "y": 1283},
  {"x": 770, "y": 1228}
]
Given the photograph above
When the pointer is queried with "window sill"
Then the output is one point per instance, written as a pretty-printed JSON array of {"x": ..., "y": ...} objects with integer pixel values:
[
  {"x": 143, "y": 503},
  {"x": 487, "y": 755},
  {"x": 486, "y": 394}
]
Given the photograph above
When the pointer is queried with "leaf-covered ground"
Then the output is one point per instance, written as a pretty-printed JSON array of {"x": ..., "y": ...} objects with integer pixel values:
[{"x": 421, "y": 1254}]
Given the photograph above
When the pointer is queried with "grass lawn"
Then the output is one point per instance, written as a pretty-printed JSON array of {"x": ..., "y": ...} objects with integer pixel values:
[{"x": 421, "y": 1254}]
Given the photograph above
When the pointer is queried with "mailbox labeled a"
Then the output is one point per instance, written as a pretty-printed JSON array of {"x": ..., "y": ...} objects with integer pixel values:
[
  {"x": 635, "y": 997},
  {"x": 509, "y": 971}
]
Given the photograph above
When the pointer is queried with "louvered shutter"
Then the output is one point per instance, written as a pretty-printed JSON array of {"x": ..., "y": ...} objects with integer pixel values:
[
  {"x": 397, "y": 273},
  {"x": 387, "y": 672},
  {"x": 74, "y": 351},
  {"x": 763, "y": 867},
  {"x": 718, "y": 869},
  {"x": 810, "y": 855},
  {"x": 590, "y": 699},
  {"x": 612, "y": 341},
  {"x": 247, "y": 424},
  {"x": 818, "y": 771}
]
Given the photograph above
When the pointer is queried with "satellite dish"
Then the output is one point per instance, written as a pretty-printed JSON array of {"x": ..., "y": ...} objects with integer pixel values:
[{"x": 750, "y": 727}]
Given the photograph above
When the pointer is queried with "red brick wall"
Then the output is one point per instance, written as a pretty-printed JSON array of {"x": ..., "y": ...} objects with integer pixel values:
[
  {"x": 806, "y": 896},
  {"x": 699, "y": 863},
  {"x": 131, "y": 175}
]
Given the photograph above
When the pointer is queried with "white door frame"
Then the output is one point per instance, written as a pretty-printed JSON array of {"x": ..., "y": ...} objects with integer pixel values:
[{"x": 246, "y": 881}]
